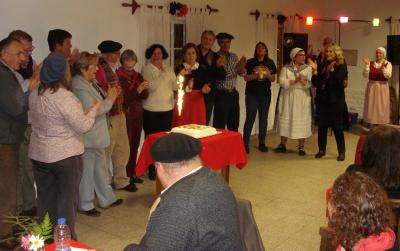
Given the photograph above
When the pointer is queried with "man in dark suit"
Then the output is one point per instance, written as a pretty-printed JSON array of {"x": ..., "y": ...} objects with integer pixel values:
[
  {"x": 196, "y": 210},
  {"x": 13, "y": 121}
]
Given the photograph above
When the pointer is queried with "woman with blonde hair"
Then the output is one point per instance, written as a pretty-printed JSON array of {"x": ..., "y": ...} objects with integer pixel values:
[
  {"x": 94, "y": 176},
  {"x": 330, "y": 100}
]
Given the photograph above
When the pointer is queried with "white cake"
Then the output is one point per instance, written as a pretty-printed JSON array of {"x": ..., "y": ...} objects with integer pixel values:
[{"x": 196, "y": 131}]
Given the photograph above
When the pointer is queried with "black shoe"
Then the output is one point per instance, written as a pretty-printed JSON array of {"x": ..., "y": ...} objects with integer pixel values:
[
  {"x": 280, "y": 149},
  {"x": 341, "y": 157},
  {"x": 131, "y": 187},
  {"x": 136, "y": 179},
  {"x": 92, "y": 212},
  {"x": 320, "y": 154},
  {"x": 302, "y": 152},
  {"x": 263, "y": 148},
  {"x": 117, "y": 203},
  {"x": 152, "y": 172},
  {"x": 246, "y": 147}
]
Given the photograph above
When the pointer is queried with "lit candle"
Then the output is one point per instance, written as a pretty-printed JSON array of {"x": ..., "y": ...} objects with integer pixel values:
[{"x": 181, "y": 92}]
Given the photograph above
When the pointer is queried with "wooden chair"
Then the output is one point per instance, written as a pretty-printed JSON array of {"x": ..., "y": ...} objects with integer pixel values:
[
  {"x": 327, "y": 237},
  {"x": 396, "y": 210}
]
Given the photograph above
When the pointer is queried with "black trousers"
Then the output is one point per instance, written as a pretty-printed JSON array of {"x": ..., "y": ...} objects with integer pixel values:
[
  {"x": 209, "y": 100},
  {"x": 331, "y": 115},
  {"x": 226, "y": 110},
  {"x": 156, "y": 121},
  {"x": 8, "y": 185},
  {"x": 58, "y": 189}
]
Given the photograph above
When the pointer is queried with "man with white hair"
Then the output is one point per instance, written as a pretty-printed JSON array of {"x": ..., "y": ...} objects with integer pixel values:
[
  {"x": 196, "y": 210},
  {"x": 13, "y": 121}
]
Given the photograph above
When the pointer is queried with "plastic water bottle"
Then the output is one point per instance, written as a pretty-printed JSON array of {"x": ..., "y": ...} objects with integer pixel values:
[{"x": 62, "y": 236}]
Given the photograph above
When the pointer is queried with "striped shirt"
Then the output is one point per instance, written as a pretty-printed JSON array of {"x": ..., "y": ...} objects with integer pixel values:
[{"x": 229, "y": 83}]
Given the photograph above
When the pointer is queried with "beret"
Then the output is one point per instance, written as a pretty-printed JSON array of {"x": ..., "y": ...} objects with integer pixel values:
[
  {"x": 383, "y": 50},
  {"x": 175, "y": 147},
  {"x": 223, "y": 35},
  {"x": 53, "y": 68},
  {"x": 109, "y": 46}
]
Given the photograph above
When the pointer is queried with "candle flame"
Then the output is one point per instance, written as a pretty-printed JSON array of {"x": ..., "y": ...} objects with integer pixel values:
[{"x": 181, "y": 92}]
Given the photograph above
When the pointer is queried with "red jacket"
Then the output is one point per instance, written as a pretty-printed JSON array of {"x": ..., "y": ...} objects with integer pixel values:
[
  {"x": 133, "y": 100},
  {"x": 105, "y": 80}
]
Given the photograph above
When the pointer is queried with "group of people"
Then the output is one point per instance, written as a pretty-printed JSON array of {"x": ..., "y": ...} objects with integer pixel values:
[
  {"x": 77, "y": 115},
  {"x": 69, "y": 120},
  {"x": 329, "y": 76}
]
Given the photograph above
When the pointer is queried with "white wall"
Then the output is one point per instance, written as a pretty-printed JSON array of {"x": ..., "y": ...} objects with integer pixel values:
[{"x": 91, "y": 21}]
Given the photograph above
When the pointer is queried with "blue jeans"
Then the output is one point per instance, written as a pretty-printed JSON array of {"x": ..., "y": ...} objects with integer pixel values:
[{"x": 254, "y": 103}]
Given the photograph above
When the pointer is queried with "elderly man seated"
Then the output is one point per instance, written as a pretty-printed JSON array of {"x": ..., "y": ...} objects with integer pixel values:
[{"x": 196, "y": 210}]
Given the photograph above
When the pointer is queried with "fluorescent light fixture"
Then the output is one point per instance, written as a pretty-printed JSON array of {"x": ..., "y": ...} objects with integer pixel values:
[
  {"x": 343, "y": 20},
  {"x": 375, "y": 22}
]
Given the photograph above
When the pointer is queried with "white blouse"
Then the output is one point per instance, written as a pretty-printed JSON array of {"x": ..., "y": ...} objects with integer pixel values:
[
  {"x": 387, "y": 71},
  {"x": 162, "y": 84}
]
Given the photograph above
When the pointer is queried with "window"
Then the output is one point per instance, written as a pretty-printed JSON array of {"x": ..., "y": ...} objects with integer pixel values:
[{"x": 178, "y": 40}]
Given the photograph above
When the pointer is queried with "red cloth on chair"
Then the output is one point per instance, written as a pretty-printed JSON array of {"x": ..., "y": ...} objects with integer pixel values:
[
  {"x": 193, "y": 110},
  {"x": 218, "y": 151},
  {"x": 357, "y": 160},
  {"x": 358, "y": 155}
]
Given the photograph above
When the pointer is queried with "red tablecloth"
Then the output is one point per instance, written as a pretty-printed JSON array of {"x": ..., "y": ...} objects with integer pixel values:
[
  {"x": 220, "y": 150},
  {"x": 75, "y": 244}
]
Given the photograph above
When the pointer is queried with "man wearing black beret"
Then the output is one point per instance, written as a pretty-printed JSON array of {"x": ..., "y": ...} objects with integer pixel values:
[
  {"x": 196, "y": 210},
  {"x": 118, "y": 150},
  {"x": 226, "y": 106}
]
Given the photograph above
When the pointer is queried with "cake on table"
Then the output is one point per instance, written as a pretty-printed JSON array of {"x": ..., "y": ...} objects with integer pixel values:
[{"x": 196, "y": 131}]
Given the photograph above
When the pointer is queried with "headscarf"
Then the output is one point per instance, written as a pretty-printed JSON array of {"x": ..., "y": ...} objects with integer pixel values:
[
  {"x": 294, "y": 52},
  {"x": 383, "y": 50}
]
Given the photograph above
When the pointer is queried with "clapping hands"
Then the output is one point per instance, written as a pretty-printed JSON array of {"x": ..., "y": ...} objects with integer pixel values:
[
  {"x": 143, "y": 86},
  {"x": 113, "y": 93},
  {"x": 366, "y": 60}
]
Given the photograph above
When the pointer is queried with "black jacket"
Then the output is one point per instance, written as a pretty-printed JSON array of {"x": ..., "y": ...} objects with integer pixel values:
[{"x": 13, "y": 107}]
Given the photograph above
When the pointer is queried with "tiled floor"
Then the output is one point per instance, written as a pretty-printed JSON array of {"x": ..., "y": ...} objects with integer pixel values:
[{"x": 287, "y": 193}]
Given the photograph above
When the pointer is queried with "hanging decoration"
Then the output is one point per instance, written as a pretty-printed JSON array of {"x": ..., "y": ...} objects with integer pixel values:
[{"x": 178, "y": 9}]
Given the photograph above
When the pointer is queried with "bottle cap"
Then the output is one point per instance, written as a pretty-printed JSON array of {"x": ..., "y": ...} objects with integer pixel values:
[{"x": 61, "y": 221}]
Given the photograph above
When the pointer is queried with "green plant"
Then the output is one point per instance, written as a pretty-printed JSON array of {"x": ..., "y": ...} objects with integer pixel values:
[{"x": 25, "y": 225}]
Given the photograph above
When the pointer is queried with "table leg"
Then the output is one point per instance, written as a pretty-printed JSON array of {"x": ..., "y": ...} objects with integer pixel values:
[{"x": 225, "y": 173}]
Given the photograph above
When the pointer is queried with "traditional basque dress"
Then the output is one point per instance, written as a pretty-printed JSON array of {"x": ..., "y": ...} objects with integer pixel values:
[
  {"x": 377, "y": 97},
  {"x": 294, "y": 103},
  {"x": 193, "y": 108}
]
